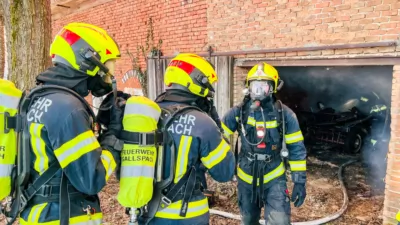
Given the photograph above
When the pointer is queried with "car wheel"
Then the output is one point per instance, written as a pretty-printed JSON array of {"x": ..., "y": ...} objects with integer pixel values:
[{"x": 355, "y": 140}]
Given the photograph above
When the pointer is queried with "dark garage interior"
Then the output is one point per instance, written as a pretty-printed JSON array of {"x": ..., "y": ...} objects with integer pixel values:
[{"x": 336, "y": 109}]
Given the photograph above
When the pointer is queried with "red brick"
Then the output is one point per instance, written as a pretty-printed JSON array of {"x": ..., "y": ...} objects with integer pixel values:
[
  {"x": 374, "y": 3},
  {"x": 366, "y": 21},
  {"x": 396, "y": 6},
  {"x": 389, "y": 1},
  {"x": 389, "y": 25},
  {"x": 382, "y": 19},
  {"x": 336, "y": 24},
  {"x": 356, "y": 50},
  {"x": 322, "y": 5},
  {"x": 323, "y": 15},
  {"x": 377, "y": 32},
  {"x": 342, "y": 7},
  {"x": 291, "y": 4},
  {"x": 343, "y": 18},
  {"x": 357, "y": 16},
  {"x": 382, "y": 8},
  {"x": 357, "y": 4},
  {"x": 309, "y": 27},
  {"x": 328, "y": 52},
  {"x": 372, "y": 38},
  {"x": 366, "y": 9},
  {"x": 390, "y": 37},
  {"x": 329, "y": 20},
  {"x": 390, "y": 13},
  {"x": 330, "y": 9},
  {"x": 393, "y": 31},
  {"x": 373, "y": 14},
  {"x": 356, "y": 28}
]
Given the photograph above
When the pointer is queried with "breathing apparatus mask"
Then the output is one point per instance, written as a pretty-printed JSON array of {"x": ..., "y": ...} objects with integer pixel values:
[
  {"x": 260, "y": 90},
  {"x": 104, "y": 82}
]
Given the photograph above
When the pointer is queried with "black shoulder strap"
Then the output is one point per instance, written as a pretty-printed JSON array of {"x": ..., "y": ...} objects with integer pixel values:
[
  {"x": 174, "y": 111},
  {"x": 24, "y": 196},
  {"x": 242, "y": 119},
  {"x": 280, "y": 117}
]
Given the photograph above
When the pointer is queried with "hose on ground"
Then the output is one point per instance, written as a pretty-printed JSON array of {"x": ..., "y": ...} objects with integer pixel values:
[{"x": 312, "y": 222}]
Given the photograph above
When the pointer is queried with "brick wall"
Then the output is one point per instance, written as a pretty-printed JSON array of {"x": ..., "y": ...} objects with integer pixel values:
[
  {"x": 181, "y": 24},
  {"x": 392, "y": 193},
  {"x": 234, "y": 25}
]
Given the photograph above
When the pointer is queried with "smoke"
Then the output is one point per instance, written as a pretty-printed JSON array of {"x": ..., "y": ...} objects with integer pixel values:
[{"x": 334, "y": 86}]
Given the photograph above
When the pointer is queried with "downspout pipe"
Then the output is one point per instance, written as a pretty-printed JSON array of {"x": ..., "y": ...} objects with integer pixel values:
[{"x": 293, "y": 49}]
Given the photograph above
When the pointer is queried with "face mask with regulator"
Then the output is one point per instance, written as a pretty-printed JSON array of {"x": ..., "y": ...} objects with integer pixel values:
[{"x": 104, "y": 81}]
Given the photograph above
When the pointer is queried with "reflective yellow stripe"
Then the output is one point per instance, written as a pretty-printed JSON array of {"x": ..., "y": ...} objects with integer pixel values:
[
  {"x": 398, "y": 216},
  {"x": 95, "y": 219},
  {"x": 5, "y": 170},
  {"x": 364, "y": 99},
  {"x": 294, "y": 137},
  {"x": 182, "y": 158},
  {"x": 8, "y": 101},
  {"x": 378, "y": 108},
  {"x": 217, "y": 155},
  {"x": 76, "y": 147},
  {"x": 39, "y": 148},
  {"x": 35, "y": 212},
  {"x": 277, "y": 172},
  {"x": 269, "y": 124},
  {"x": 300, "y": 165},
  {"x": 237, "y": 118},
  {"x": 227, "y": 131},
  {"x": 195, "y": 208},
  {"x": 108, "y": 162},
  {"x": 142, "y": 109}
]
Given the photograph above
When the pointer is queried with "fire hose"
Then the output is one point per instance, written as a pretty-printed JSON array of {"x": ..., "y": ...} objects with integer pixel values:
[{"x": 311, "y": 222}]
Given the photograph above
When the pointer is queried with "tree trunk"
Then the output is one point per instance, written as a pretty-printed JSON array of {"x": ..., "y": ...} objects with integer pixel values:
[
  {"x": 28, "y": 36},
  {"x": 2, "y": 52}
]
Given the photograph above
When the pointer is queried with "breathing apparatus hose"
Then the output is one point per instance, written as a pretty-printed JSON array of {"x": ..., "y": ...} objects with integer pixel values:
[
  {"x": 114, "y": 91},
  {"x": 243, "y": 133},
  {"x": 311, "y": 222}
]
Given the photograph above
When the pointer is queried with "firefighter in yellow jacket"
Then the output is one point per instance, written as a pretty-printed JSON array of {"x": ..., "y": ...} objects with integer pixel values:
[
  {"x": 195, "y": 140},
  {"x": 261, "y": 171},
  {"x": 61, "y": 134}
]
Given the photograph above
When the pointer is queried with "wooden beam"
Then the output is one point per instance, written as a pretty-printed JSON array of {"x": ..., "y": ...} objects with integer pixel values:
[
  {"x": 362, "y": 61},
  {"x": 75, "y": 6}
]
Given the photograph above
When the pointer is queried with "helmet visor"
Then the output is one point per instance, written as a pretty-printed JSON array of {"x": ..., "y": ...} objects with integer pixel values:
[
  {"x": 110, "y": 64},
  {"x": 260, "y": 89}
]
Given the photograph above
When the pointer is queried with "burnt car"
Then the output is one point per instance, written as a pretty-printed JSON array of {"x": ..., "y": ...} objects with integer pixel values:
[{"x": 346, "y": 126}]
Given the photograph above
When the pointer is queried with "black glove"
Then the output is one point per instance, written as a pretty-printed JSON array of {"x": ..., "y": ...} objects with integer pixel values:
[
  {"x": 299, "y": 194},
  {"x": 104, "y": 115},
  {"x": 116, "y": 116}
]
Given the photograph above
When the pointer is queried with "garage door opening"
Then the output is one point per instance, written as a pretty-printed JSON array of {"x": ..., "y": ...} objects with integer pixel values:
[{"x": 345, "y": 109}]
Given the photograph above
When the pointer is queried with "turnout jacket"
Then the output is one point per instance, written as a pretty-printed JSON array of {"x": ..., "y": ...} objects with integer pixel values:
[
  {"x": 197, "y": 140},
  {"x": 274, "y": 166},
  {"x": 61, "y": 131}
]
